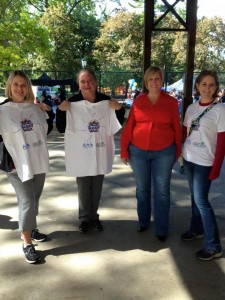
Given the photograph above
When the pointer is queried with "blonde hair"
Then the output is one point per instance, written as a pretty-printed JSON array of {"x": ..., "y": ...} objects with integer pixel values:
[
  {"x": 153, "y": 70},
  {"x": 30, "y": 95}
]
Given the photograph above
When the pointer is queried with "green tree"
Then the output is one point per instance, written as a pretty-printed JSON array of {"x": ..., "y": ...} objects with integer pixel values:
[
  {"x": 72, "y": 35},
  {"x": 21, "y": 36},
  {"x": 209, "y": 50},
  {"x": 120, "y": 44},
  {"x": 42, "y": 5}
]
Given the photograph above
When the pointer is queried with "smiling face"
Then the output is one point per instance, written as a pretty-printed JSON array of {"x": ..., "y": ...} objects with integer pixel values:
[
  {"x": 207, "y": 88},
  {"x": 19, "y": 89},
  {"x": 154, "y": 82},
  {"x": 88, "y": 85}
]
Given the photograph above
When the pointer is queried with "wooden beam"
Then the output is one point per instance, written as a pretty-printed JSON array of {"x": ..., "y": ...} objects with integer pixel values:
[
  {"x": 148, "y": 28},
  {"x": 190, "y": 56},
  {"x": 170, "y": 8},
  {"x": 189, "y": 26}
]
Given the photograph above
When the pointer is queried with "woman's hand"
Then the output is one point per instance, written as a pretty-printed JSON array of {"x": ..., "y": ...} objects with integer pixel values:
[
  {"x": 44, "y": 107},
  {"x": 125, "y": 160},
  {"x": 64, "y": 106},
  {"x": 114, "y": 104}
]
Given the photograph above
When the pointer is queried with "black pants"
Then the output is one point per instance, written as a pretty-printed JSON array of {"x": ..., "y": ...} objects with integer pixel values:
[{"x": 89, "y": 195}]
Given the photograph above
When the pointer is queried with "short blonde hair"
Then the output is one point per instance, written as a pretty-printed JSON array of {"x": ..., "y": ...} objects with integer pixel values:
[
  {"x": 153, "y": 70},
  {"x": 30, "y": 94}
]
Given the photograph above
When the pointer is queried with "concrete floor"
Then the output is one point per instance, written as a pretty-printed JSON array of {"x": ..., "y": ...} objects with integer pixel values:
[{"x": 118, "y": 263}]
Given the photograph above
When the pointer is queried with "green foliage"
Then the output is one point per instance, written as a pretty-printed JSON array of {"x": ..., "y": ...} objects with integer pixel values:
[
  {"x": 120, "y": 43},
  {"x": 52, "y": 35},
  {"x": 209, "y": 51},
  {"x": 21, "y": 36},
  {"x": 70, "y": 36}
]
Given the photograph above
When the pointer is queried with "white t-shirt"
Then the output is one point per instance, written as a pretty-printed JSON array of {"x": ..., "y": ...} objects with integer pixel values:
[
  {"x": 24, "y": 128},
  {"x": 200, "y": 145},
  {"x": 89, "y": 138}
]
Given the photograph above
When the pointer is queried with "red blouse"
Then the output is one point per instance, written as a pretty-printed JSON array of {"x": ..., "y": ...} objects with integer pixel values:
[{"x": 152, "y": 127}]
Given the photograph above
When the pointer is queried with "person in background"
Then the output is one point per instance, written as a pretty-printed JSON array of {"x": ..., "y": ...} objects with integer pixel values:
[
  {"x": 203, "y": 154},
  {"x": 43, "y": 96},
  {"x": 61, "y": 94},
  {"x": 173, "y": 93},
  {"x": 23, "y": 130},
  {"x": 48, "y": 100},
  {"x": 89, "y": 186},
  {"x": 51, "y": 114},
  {"x": 222, "y": 97},
  {"x": 137, "y": 93},
  {"x": 151, "y": 141}
]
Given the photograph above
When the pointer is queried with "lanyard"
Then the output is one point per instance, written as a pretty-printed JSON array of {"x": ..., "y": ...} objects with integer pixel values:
[{"x": 195, "y": 122}]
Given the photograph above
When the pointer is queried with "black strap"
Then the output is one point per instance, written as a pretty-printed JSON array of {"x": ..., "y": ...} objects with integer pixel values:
[{"x": 196, "y": 121}]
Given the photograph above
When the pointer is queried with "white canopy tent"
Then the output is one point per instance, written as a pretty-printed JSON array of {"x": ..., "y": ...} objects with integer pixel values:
[{"x": 179, "y": 85}]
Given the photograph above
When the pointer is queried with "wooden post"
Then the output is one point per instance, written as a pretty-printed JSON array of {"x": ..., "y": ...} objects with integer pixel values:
[
  {"x": 148, "y": 28},
  {"x": 189, "y": 26},
  {"x": 190, "y": 56}
]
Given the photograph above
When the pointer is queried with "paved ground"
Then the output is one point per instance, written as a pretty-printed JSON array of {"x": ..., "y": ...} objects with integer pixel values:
[{"x": 118, "y": 263}]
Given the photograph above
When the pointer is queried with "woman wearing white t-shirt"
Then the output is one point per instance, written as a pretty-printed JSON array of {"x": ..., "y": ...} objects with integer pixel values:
[
  {"x": 23, "y": 128},
  {"x": 203, "y": 154}
]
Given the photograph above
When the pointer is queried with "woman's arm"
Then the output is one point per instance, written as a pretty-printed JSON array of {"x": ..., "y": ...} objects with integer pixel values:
[
  {"x": 120, "y": 115},
  {"x": 219, "y": 156},
  {"x": 60, "y": 121},
  {"x": 120, "y": 110},
  {"x": 61, "y": 116},
  {"x": 126, "y": 136}
]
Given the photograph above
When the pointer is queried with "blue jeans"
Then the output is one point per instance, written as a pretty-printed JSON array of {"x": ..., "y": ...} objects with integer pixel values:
[
  {"x": 155, "y": 165},
  {"x": 203, "y": 219}
]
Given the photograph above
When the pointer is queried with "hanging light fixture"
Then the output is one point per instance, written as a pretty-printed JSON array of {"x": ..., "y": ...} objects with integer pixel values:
[{"x": 84, "y": 62}]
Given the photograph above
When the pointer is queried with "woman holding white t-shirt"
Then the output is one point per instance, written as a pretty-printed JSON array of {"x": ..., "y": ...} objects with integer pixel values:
[
  {"x": 23, "y": 128},
  {"x": 203, "y": 154},
  {"x": 89, "y": 184}
]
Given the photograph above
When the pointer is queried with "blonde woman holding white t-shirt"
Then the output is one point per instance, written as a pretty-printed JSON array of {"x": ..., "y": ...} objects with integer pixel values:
[{"x": 24, "y": 128}]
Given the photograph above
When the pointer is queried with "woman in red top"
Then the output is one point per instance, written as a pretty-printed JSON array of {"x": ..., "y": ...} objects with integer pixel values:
[{"x": 151, "y": 140}]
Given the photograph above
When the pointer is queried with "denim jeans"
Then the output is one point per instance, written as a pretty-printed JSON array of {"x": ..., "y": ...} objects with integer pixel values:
[
  {"x": 156, "y": 166},
  {"x": 203, "y": 219}
]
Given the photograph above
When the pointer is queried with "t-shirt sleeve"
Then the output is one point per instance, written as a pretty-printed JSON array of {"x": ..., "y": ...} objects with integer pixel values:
[
  {"x": 219, "y": 156},
  {"x": 221, "y": 122}
]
